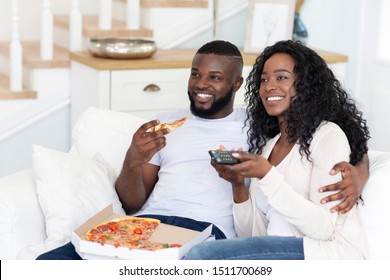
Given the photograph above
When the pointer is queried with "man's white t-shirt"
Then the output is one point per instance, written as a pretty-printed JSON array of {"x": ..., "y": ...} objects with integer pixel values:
[{"x": 188, "y": 186}]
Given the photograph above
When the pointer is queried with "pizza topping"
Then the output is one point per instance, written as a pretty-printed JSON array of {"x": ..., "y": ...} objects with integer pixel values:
[
  {"x": 134, "y": 243},
  {"x": 113, "y": 227}
]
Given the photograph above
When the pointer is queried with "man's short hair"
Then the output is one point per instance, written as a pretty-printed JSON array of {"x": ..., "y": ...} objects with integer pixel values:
[{"x": 220, "y": 47}]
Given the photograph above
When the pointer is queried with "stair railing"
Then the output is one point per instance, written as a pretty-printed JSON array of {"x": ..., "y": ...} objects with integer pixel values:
[
  {"x": 46, "y": 44},
  {"x": 16, "y": 51},
  {"x": 105, "y": 14},
  {"x": 133, "y": 14},
  {"x": 75, "y": 28}
]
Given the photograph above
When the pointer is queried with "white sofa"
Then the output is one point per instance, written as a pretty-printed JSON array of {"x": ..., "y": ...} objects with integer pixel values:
[{"x": 35, "y": 203}]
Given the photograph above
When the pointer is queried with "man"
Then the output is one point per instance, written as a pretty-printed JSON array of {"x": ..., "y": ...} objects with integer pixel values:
[
  {"x": 186, "y": 186},
  {"x": 167, "y": 175}
]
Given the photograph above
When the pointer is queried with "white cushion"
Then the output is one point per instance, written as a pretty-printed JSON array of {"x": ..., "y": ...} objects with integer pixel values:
[
  {"x": 21, "y": 219},
  {"x": 375, "y": 212},
  {"x": 71, "y": 189},
  {"x": 106, "y": 132}
]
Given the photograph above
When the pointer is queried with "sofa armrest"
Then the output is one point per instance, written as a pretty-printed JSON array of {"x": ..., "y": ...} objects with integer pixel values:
[
  {"x": 21, "y": 220},
  {"x": 375, "y": 211}
]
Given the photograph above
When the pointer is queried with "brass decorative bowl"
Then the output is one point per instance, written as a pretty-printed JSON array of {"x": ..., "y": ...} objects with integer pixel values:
[{"x": 121, "y": 48}]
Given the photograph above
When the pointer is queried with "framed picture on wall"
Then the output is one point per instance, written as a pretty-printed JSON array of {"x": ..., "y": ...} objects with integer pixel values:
[{"x": 269, "y": 21}]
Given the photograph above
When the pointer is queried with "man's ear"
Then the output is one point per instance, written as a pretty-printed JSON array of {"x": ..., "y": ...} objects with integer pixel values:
[{"x": 238, "y": 83}]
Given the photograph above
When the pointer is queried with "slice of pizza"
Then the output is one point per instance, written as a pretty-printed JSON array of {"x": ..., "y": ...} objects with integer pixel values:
[{"x": 171, "y": 126}]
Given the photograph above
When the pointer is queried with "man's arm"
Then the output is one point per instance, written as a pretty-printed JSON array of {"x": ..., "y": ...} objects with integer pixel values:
[
  {"x": 351, "y": 187},
  {"x": 138, "y": 178}
]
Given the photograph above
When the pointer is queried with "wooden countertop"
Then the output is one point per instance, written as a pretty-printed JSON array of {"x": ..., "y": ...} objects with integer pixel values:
[{"x": 172, "y": 58}]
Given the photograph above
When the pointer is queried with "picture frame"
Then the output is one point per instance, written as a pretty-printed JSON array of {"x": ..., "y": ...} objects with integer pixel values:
[{"x": 269, "y": 21}]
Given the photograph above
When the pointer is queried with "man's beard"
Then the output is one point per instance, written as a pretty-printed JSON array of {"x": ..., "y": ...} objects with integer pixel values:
[{"x": 217, "y": 106}]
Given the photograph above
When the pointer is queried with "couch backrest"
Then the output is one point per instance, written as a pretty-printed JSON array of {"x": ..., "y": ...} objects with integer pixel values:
[{"x": 106, "y": 132}]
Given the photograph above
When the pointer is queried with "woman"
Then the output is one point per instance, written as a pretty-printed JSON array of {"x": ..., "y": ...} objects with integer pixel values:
[{"x": 302, "y": 123}]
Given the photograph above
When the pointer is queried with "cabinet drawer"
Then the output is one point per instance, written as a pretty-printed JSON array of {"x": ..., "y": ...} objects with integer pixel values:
[{"x": 150, "y": 90}]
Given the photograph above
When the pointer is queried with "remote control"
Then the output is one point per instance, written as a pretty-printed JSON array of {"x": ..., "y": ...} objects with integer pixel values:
[{"x": 223, "y": 157}]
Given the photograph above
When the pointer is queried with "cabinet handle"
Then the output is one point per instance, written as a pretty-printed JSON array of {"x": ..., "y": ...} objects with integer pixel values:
[{"x": 152, "y": 88}]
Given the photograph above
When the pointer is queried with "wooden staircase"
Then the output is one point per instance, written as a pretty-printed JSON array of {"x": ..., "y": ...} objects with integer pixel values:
[
  {"x": 31, "y": 60},
  {"x": 31, "y": 49}
]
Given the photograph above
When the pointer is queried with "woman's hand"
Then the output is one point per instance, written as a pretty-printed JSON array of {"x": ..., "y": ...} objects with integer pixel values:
[
  {"x": 226, "y": 172},
  {"x": 252, "y": 165}
]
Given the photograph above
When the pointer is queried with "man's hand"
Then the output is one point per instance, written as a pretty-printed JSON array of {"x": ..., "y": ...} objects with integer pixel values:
[
  {"x": 350, "y": 188},
  {"x": 145, "y": 143}
]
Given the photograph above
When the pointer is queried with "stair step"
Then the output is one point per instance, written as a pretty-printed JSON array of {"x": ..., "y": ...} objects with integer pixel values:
[
  {"x": 32, "y": 59},
  {"x": 91, "y": 28},
  {"x": 7, "y": 94},
  {"x": 172, "y": 3}
]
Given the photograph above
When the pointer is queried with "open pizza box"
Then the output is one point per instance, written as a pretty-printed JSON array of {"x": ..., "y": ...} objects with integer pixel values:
[{"x": 164, "y": 233}]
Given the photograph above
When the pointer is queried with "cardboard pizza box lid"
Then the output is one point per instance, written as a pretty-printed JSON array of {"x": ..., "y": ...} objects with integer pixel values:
[{"x": 164, "y": 233}]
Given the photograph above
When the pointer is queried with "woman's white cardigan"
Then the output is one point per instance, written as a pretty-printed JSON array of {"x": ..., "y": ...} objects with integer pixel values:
[{"x": 293, "y": 192}]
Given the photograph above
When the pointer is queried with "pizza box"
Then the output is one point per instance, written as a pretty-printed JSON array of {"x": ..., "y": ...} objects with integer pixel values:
[{"x": 164, "y": 233}]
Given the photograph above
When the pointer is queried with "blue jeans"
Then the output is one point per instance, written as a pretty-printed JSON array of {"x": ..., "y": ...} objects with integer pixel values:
[
  {"x": 68, "y": 252},
  {"x": 250, "y": 248}
]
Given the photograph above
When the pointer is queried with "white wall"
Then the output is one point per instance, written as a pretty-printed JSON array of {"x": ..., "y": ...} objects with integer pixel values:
[
  {"x": 373, "y": 77},
  {"x": 333, "y": 25},
  {"x": 232, "y": 29},
  {"x": 350, "y": 27}
]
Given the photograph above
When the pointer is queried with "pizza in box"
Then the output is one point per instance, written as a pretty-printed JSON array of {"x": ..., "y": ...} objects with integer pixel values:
[{"x": 130, "y": 232}]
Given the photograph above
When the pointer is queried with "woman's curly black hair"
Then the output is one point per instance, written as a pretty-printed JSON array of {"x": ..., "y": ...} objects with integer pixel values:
[{"x": 320, "y": 97}]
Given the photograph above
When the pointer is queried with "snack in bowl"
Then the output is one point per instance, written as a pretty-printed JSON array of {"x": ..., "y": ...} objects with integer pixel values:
[
  {"x": 130, "y": 232},
  {"x": 171, "y": 126}
]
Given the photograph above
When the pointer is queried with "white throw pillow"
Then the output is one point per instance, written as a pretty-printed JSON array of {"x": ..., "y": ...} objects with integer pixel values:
[
  {"x": 71, "y": 189},
  {"x": 375, "y": 212},
  {"x": 106, "y": 132}
]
